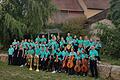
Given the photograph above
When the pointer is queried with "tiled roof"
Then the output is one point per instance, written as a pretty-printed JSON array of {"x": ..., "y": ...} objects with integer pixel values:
[
  {"x": 70, "y": 5},
  {"x": 97, "y": 4}
]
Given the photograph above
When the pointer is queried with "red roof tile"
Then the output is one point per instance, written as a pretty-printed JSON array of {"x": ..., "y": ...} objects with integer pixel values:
[
  {"x": 97, "y": 4},
  {"x": 70, "y": 5}
]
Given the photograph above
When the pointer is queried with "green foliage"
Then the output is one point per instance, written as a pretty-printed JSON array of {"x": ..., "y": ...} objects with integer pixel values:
[
  {"x": 114, "y": 13},
  {"x": 18, "y": 17},
  {"x": 110, "y": 38},
  {"x": 75, "y": 26}
]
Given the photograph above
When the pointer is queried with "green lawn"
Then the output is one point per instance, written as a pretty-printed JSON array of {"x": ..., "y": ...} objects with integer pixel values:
[{"x": 17, "y": 73}]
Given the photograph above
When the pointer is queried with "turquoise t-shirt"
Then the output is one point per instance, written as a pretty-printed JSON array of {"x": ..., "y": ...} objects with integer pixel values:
[
  {"x": 54, "y": 52},
  {"x": 80, "y": 50},
  {"x": 69, "y": 39},
  {"x": 37, "y": 40},
  {"x": 62, "y": 43},
  {"x": 47, "y": 53},
  {"x": 80, "y": 41},
  {"x": 72, "y": 54},
  {"x": 10, "y": 51},
  {"x": 77, "y": 57},
  {"x": 92, "y": 44},
  {"x": 43, "y": 40},
  {"x": 30, "y": 51},
  {"x": 32, "y": 44},
  {"x": 98, "y": 45},
  {"x": 14, "y": 43},
  {"x": 59, "y": 55},
  {"x": 42, "y": 54},
  {"x": 93, "y": 54},
  {"x": 75, "y": 42},
  {"x": 86, "y": 43},
  {"x": 37, "y": 51},
  {"x": 83, "y": 56}
]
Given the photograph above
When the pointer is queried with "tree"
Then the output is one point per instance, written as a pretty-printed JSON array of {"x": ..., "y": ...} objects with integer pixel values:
[
  {"x": 18, "y": 17},
  {"x": 114, "y": 13}
]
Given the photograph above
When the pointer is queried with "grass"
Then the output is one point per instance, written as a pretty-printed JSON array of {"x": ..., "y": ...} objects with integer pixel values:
[{"x": 8, "y": 72}]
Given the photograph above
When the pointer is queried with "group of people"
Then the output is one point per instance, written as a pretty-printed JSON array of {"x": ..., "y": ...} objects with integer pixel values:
[{"x": 71, "y": 55}]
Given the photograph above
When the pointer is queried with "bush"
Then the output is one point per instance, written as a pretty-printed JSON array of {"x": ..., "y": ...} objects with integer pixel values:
[
  {"x": 75, "y": 26},
  {"x": 110, "y": 38}
]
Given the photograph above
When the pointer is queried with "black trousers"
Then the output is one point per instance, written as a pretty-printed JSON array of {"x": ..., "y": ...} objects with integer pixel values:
[
  {"x": 10, "y": 60},
  {"x": 93, "y": 68},
  {"x": 70, "y": 71}
]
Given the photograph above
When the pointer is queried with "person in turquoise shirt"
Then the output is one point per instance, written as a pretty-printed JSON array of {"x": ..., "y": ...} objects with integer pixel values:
[
  {"x": 98, "y": 47},
  {"x": 62, "y": 42},
  {"x": 42, "y": 57},
  {"x": 36, "y": 44},
  {"x": 93, "y": 54},
  {"x": 75, "y": 44},
  {"x": 32, "y": 43},
  {"x": 47, "y": 52},
  {"x": 78, "y": 57},
  {"x": 37, "y": 39},
  {"x": 43, "y": 45},
  {"x": 37, "y": 51},
  {"x": 10, "y": 54},
  {"x": 84, "y": 55},
  {"x": 72, "y": 53},
  {"x": 43, "y": 39},
  {"x": 80, "y": 48},
  {"x": 30, "y": 51},
  {"x": 69, "y": 39},
  {"x": 53, "y": 52},
  {"x": 25, "y": 44},
  {"x": 86, "y": 42},
  {"x": 80, "y": 40},
  {"x": 46, "y": 57},
  {"x": 42, "y": 53},
  {"x": 14, "y": 42},
  {"x": 92, "y": 42},
  {"x": 65, "y": 53}
]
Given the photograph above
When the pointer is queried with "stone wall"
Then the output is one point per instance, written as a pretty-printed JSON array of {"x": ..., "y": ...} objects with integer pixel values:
[{"x": 109, "y": 72}]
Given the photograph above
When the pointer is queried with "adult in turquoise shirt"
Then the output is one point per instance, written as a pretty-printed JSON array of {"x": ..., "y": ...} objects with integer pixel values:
[
  {"x": 80, "y": 48},
  {"x": 69, "y": 39},
  {"x": 65, "y": 53},
  {"x": 62, "y": 42},
  {"x": 43, "y": 39},
  {"x": 54, "y": 52},
  {"x": 37, "y": 51},
  {"x": 72, "y": 53},
  {"x": 30, "y": 51},
  {"x": 86, "y": 42},
  {"x": 42, "y": 57},
  {"x": 47, "y": 52},
  {"x": 32, "y": 43},
  {"x": 14, "y": 43},
  {"x": 42, "y": 54},
  {"x": 93, "y": 62},
  {"x": 78, "y": 57},
  {"x": 37, "y": 39},
  {"x": 80, "y": 40},
  {"x": 10, "y": 54}
]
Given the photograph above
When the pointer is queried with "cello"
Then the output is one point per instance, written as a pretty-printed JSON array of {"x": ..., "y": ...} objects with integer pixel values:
[
  {"x": 64, "y": 65},
  {"x": 84, "y": 67},
  {"x": 77, "y": 67},
  {"x": 70, "y": 62}
]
